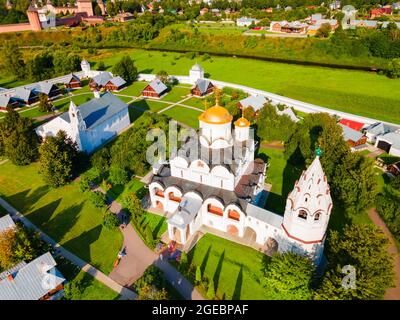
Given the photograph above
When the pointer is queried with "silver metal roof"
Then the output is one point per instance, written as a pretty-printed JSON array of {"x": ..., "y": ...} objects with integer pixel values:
[
  {"x": 6, "y": 222},
  {"x": 350, "y": 134},
  {"x": 202, "y": 84},
  {"x": 32, "y": 281},
  {"x": 257, "y": 102},
  {"x": 264, "y": 215},
  {"x": 158, "y": 86}
]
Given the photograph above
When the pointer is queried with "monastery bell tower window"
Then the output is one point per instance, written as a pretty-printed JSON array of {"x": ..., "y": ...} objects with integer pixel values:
[
  {"x": 316, "y": 217},
  {"x": 303, "y": 214}
]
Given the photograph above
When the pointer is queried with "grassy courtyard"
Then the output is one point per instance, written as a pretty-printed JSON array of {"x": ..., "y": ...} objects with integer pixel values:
[
  {"x": 358, "y": 92},
  {"x": 235, "y": 269},
  {"x": 63, "y": 213},
  {"x": 184, "y": 115}
]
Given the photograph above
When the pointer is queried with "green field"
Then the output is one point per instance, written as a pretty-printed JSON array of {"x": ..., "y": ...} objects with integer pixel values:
[
  {"x": 176, "y": 94},
  {"x": 358, "y": 92},
  {"x": 63, "y": 213},
  {"x": 184, "y": 115},
  {"x": 157, "y": 224},
  {"x": 235, "y": 269}
]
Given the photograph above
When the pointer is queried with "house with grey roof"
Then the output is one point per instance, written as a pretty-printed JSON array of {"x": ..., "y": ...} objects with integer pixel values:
[
  {"x": 155, "y": 89},
  {"x": 105, "y": 80},
  {"x": 374, "y": 130},
  {"x": 48, "y": 88},
  {"x": 389, "y": 142},
  {"x": 6, "y": 222},
  {"x": 288, "y": 112},
  {"x": 202, "y": 87},
  {"x": 91, "y": 124},
  {"x": 353, "y": 137},
  {"x": 256, "y": 102},
  {"x": 7, "y": 100},
  {"x": 36, "y": 280},
  {"x": 25, "y": 95}
]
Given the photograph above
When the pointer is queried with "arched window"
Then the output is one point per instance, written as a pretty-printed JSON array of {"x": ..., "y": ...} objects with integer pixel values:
[
  {"x": 234, "y": 215},
  {"x": 317, "y": 216},
  {"x": 303, "y": 214}
]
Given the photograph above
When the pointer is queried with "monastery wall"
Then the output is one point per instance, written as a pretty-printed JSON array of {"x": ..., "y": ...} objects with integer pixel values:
[{"x": 15, "y": 27}]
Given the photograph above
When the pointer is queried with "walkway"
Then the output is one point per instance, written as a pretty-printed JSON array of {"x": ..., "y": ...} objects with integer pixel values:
[
  {"x": 125, "y": 293},
  {"x": 391, "y": 293}
]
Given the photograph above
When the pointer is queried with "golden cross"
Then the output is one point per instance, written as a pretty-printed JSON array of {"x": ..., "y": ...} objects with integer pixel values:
[{"x": 217, "y": 96}]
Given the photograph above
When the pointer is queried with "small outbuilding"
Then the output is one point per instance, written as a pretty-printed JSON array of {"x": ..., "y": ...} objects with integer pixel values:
[
  {"x": 72, "y": 82},
  {"x": 155, "y": 89},
  {"x": 202, "y": 87},
  {"x": 7, "y": 101}
]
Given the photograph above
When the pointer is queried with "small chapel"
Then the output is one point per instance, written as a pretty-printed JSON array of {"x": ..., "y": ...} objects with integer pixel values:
[{"x": 215, "y": 184}]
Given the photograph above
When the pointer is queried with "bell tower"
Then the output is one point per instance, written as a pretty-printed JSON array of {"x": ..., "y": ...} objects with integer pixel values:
[
  {"x": 78, "y": 125},
  {"x": 308, "y": 209}
]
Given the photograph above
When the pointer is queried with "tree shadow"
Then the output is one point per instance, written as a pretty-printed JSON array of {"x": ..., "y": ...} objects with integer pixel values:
[
  {"x": 207, "y": 75},
  {"x": 63, "y": 222},
  {"x": 157, "y": 228},
  {"x": 42, "y": 215},
  {"x": 24, "y": 200},
  {"x": 205, "y": 260},
  {"x": 81, "y": 244},
  {"x": 218, "y": 269},
  {"x": 238, "y": 285},
  {"x": 148, "y": 70}
]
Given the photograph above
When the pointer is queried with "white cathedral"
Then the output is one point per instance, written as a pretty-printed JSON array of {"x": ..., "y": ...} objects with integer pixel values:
[{"x": 214, "y": 183}]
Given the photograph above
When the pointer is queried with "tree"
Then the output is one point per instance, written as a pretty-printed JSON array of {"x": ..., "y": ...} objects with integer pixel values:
[
  {"x": 101, "y": 161},
  {"x": 7, "y": 240},
  {"x": 363, "y": 247},
  {"x": 355, "y": 183},
  {"x": 324, "y": 30},
  {"x": 97, "y": 198},
  {"x": 288, "y": 276},
  {"x": 126, "y": 69},
  {"x": 163, "y": 76},
  {"x": 134, "y": 206},
  {"x": 18, "y": 141},
  {"x": 97, "y": 10},
  {"x": 211, "y": 290},
  {"x": 198, "y": 275},
  {"x": 149, "y": 292},
  {"x": 12, "y": 59},
  {"x": 110, "y": 220},
  {"x": 101, "y": 66},
  {"x": 393, "y": 69},
  {"x": 58, "y": 157},
  {"x": 110, "y": 7},
  {"x": 118, "y": 175},
  {"x": 73, "y": 290},
  {"x": 44, "y": 104},
  {"x": 148, "y": 234},
  {"x": 184, "y": 260}
]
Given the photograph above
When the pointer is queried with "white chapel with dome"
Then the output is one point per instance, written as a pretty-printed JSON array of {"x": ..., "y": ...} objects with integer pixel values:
[{"x": 215, "y": 184}]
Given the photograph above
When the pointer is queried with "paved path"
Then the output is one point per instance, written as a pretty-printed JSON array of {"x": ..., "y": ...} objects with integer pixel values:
[
  {"x": 139, "y": 257},
  {"x": 391, "y": 293},
  {"x": 126, "y": 294}
]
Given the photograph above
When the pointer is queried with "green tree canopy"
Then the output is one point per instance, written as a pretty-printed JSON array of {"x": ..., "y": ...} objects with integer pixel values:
[
  {"x": 288, "y": 276},
  {"x": 126, "y": 69}
]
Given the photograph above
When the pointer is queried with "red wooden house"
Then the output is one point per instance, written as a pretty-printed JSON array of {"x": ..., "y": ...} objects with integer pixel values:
[
  {"x": 202, "y": 87},
  {"x": 7, "y": 101},
  {"x": 155, "y": 89},
  {"x": 72, "y": 82}
]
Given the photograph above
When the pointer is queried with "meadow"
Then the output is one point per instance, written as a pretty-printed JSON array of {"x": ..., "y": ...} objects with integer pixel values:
[{"x": 359, "y": 92}]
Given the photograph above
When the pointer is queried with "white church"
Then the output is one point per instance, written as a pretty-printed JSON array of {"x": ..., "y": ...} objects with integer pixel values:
[
  {"x": 214, "y": 183},
  {"x": 92, "y": 124}
]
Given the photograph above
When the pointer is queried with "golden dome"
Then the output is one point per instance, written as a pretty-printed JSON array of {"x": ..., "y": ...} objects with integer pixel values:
[
  {"x": 242, "y": 122},
  {"x": 216, "y": 115}
]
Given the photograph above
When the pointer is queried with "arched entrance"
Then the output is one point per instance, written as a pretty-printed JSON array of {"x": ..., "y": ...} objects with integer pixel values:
[
  {"x": 250, "y": 235},
  {"x": 270, "y": 246},
  {"x": 177, "y": 235},
  {"x": 231, "y": 229},
  {"x": 159, "y": 205}
]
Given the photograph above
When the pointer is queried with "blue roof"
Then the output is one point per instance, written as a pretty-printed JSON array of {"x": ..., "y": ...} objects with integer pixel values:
[{"x": 98, "y": 110}]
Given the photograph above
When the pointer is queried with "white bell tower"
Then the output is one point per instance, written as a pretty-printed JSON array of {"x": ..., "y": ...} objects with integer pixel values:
[
  {"x": 78, "y": 125},
  {"x": 308, "y": 209},
  {"x": 196, "y": 73},
  {"x": 85, "y": 66}
]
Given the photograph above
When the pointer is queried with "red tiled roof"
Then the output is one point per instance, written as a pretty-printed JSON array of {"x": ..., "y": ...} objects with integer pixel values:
[{"x": 352, "y": 124}]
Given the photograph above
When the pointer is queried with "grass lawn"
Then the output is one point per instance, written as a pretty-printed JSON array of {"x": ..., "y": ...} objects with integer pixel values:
[
  {"x": 63, "y": 104},
  {"x": 148, "y": 104},
  {"x": 196, "y": 102},
  {"x": 63, "y": 213},
  {"x": 135, "y": 89},
  {"x": 235, "y": 269},
  {"x": 157, "y": 224},
  {"x": 358, "y": 92},
  {"x": 118, "y": 192},
  {"x": 281, "y": 175},
  {"x": 176, "y": 94},
  {"x": 135, "y": 114},
  {"x": 184, "y": 115},
  {"x": 123, "y": 98},
  {"x": 92, "y": 289}
]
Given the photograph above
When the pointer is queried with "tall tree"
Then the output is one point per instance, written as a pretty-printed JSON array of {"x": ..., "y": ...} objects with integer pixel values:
[
  {"x": 18, "y": 141},
  {"x": 126, "y": 69},
  {"x": 44, "y": 103},
  {"x": 364, "y": 248},
  {"x": 288, "y": 276},
  {"x": 12, "y": 59},
  {"x": 58, "y": 157}
]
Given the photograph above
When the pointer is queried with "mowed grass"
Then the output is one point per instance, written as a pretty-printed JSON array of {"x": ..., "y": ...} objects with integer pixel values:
[
  {"x": 158, "y": 224},
  {"x": 64, "y": 214},
  {"x": 118, "y": 192},
  {"x": 281, "y": 175},
  {"x": 235, "y": 269},
  {"x": 148, "y": 104},
  {"x": 92, "y": 289},
  {"x": 135, "y": 89},
  {"x": 184, "y": 115},
  {"x": 358, "y": 92},
  {"x": 176, "y": 94}
]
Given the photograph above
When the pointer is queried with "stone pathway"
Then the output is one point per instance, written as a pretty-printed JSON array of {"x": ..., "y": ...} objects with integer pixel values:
[
  {"x": 391, "y": 293},
  {"x": 126, "y": 294}
]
